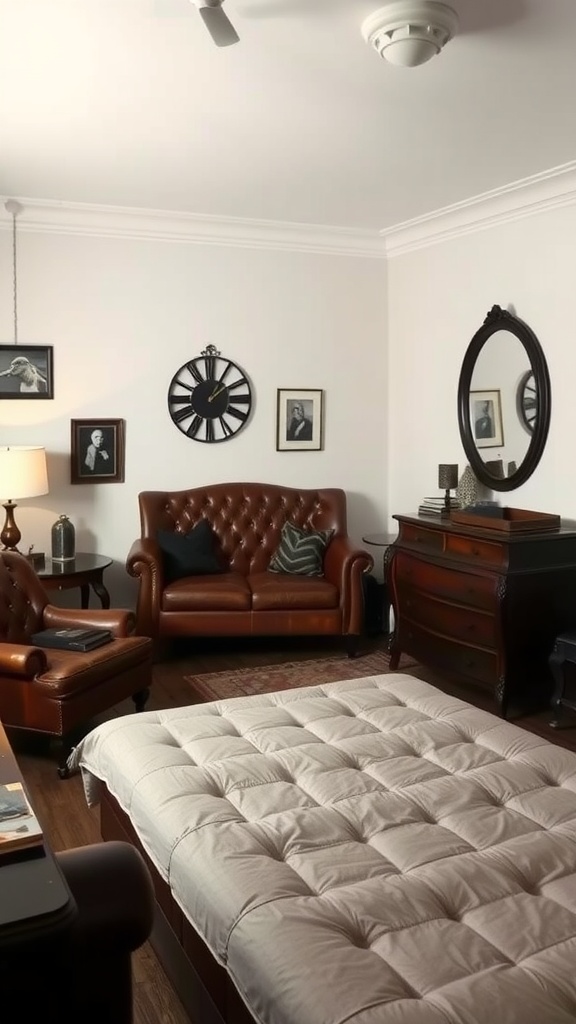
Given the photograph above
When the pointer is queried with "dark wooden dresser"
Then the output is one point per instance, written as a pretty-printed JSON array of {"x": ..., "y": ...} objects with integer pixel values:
[{"x": 482, "y": 605}]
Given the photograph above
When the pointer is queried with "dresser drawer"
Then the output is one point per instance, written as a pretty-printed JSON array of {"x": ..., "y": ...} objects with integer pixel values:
[
  {"x": 466, "y": 588},
  {"x": 457, "y": 658},
  {"x": 473, "y": 550},
  {"x": 456, "y": 621},
  {"x": 412, "y": 533}
]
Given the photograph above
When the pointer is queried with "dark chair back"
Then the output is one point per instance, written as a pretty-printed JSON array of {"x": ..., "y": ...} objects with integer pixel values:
[{"x": 22, "y": 599}]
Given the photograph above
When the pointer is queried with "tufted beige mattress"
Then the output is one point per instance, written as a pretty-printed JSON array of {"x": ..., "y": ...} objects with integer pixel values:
[{"x": 365, "y": 852}]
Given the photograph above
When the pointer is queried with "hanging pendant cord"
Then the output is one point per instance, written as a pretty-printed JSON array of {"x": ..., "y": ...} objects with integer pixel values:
[
  {"x": 14, "y": 208},
  {"x": 14, "y": 279}
]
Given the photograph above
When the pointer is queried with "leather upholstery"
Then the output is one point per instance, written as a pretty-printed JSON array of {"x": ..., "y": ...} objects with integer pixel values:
[
  {"x": 56, "y": 691},
  {"x": 247, "y": 519},
  {"x": 81, "y": 971}
]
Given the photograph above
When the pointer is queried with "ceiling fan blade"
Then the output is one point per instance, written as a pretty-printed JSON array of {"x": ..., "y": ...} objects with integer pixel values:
[{"x": 220, "y": 28}]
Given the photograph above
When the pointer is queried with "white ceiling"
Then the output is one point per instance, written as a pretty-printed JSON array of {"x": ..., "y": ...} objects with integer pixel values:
[{"x": 129, "y": 103}]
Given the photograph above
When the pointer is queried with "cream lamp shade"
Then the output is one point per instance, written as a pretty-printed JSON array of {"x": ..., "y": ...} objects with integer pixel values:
[{"x": 23, "y": 474}]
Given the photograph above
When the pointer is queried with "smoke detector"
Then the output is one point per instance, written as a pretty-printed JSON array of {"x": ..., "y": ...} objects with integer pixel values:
[{"x": 410, "y": 32}]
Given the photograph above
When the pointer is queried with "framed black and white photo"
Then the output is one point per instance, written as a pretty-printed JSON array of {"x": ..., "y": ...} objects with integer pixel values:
[
  {"x": 97, "y": 451},
  {"x": 486, "y": 419},
  {"x": 299, "y": 417},
  {"x": 26, "y": 371}
]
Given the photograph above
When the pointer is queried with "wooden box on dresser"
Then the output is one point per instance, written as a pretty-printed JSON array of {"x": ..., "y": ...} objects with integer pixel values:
[{"x": 482, "y": 604}]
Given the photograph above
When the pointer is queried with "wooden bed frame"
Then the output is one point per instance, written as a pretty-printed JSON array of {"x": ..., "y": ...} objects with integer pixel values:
[{"x": 203, "y": 986}]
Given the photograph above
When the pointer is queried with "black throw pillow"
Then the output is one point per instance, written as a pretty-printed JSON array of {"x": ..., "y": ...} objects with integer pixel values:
[{"x": 189, "y": 554}]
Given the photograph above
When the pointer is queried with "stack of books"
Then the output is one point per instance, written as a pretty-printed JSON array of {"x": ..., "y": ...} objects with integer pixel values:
[
  {"x": 435, "y": 506},
  {"x": 19, "y": 826},
  {"x": 72, "y": 639}
]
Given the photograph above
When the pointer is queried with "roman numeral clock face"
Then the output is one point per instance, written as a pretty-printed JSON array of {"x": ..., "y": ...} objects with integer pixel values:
[
  {"x": 209, "y": 397},
  {"x": 528, "y": 400}
]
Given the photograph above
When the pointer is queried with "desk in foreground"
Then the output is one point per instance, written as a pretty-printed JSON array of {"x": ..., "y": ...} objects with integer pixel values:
[{"x": 35, "y": 902}]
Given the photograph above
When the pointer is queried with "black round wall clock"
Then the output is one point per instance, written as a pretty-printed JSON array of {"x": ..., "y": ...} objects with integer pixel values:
[
  {"x": 210, "y": 397},
  {"x": 528, "y": 400}
]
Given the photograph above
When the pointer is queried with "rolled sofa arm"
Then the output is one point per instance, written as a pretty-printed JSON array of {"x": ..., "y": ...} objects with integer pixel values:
[
  {"x": 22, "y": 660},
  {"x": 120, "y": 621},
  {"x": 344, "y": 565},
  {"x": 144, "y": 557},
  {"x": 144, "y": 562}
]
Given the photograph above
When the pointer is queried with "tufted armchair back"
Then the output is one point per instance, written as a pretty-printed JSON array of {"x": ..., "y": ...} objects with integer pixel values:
[
  {"x": 22, "y": 599},
  {"x": 247, "y": 518}
]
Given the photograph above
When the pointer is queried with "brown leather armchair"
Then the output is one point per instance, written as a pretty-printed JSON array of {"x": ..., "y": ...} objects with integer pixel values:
[
  {"x": 244, "y": 598},
  {"x": 56, "y": 691}
]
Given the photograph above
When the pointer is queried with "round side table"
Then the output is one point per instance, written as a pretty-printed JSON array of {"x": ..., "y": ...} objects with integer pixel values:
[
  {"x": 83, "y": 571},
  {"x": 383, "y": 540}
]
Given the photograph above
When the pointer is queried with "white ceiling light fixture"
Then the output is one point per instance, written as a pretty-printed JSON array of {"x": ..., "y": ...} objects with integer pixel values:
[{"x": 410, "y": 32}]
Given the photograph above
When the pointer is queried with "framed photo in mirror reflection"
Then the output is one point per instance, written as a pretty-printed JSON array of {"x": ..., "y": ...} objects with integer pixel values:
[{"x": 486, "y": 418}]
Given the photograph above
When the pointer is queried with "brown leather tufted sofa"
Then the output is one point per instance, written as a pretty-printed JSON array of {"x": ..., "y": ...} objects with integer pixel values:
[
  {"x": 247, "y": 599},
  {"x": 55, "y": 691}
]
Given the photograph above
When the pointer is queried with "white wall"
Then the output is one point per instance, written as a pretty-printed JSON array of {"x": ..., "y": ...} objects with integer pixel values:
[
  {"x": 123, "y": 315},
  {"x": 438, "y": 298}
]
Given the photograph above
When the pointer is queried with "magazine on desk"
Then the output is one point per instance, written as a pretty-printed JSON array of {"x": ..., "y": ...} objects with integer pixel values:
[
  {"x": 19, "y": 826},
  {"x": 72, "y": 639}
]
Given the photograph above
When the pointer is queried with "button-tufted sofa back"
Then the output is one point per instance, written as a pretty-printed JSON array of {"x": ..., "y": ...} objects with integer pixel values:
[
  {"x": 22, "y": 599},
  {"x": 246, "y": 517}
]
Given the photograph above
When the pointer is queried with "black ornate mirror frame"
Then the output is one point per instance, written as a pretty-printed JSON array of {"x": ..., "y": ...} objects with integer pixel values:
[{"x": 501, "y": 320}]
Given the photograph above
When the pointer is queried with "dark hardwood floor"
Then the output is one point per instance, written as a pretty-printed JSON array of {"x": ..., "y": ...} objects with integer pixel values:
[{"x": 68, "y": 823}]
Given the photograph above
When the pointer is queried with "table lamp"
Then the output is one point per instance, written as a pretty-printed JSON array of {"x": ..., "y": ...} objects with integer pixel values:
[
  {"x": 447, "y": 480},
  {"x": 23, "y": 474}
]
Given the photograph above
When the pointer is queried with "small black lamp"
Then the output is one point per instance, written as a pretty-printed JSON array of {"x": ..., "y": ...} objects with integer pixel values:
[{"x": 447, "y": 481}]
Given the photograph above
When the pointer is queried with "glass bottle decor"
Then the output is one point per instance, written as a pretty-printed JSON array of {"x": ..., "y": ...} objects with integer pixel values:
[
  {"x": 468, "y": 489},
  {"x": 63, "y": 540}
]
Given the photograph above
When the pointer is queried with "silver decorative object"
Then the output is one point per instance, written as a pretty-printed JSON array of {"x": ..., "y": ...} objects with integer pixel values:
[
  {"x": 63, "y": 540},
  {"x": 468, "y": 489}
]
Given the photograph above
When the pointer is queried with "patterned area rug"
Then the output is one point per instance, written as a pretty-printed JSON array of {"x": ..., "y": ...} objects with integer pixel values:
[{"x": 269, "y": 678}]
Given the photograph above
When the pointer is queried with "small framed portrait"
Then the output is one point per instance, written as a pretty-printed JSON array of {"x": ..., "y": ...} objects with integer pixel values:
[
  {"x": 299, "y": 416},
  {"x": 97, "y": 451},
  {"x": 486, "y": 419},
  {"x": 26, "y": 371}
]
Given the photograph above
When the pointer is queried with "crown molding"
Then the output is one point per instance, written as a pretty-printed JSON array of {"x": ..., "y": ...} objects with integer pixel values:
[
  {"x": 524, "y": 198},
  {"x": 126, "y": 222},
  {"x": 537, "y": 194}
]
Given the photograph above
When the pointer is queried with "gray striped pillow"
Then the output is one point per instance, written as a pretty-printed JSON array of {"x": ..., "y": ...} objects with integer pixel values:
[{"x": 300, "y": 552}]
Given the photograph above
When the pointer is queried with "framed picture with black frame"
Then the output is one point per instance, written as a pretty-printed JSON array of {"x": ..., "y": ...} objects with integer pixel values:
[
  {"x": 97, "y": 451},
  {"x": 486, "y": 419},
  {"x": 26, "y": 371},
  {"x": 299, "y": 416}
]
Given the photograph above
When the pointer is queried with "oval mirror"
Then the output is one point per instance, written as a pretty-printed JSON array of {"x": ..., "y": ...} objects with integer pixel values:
[{"x": 504, "y": 401}]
